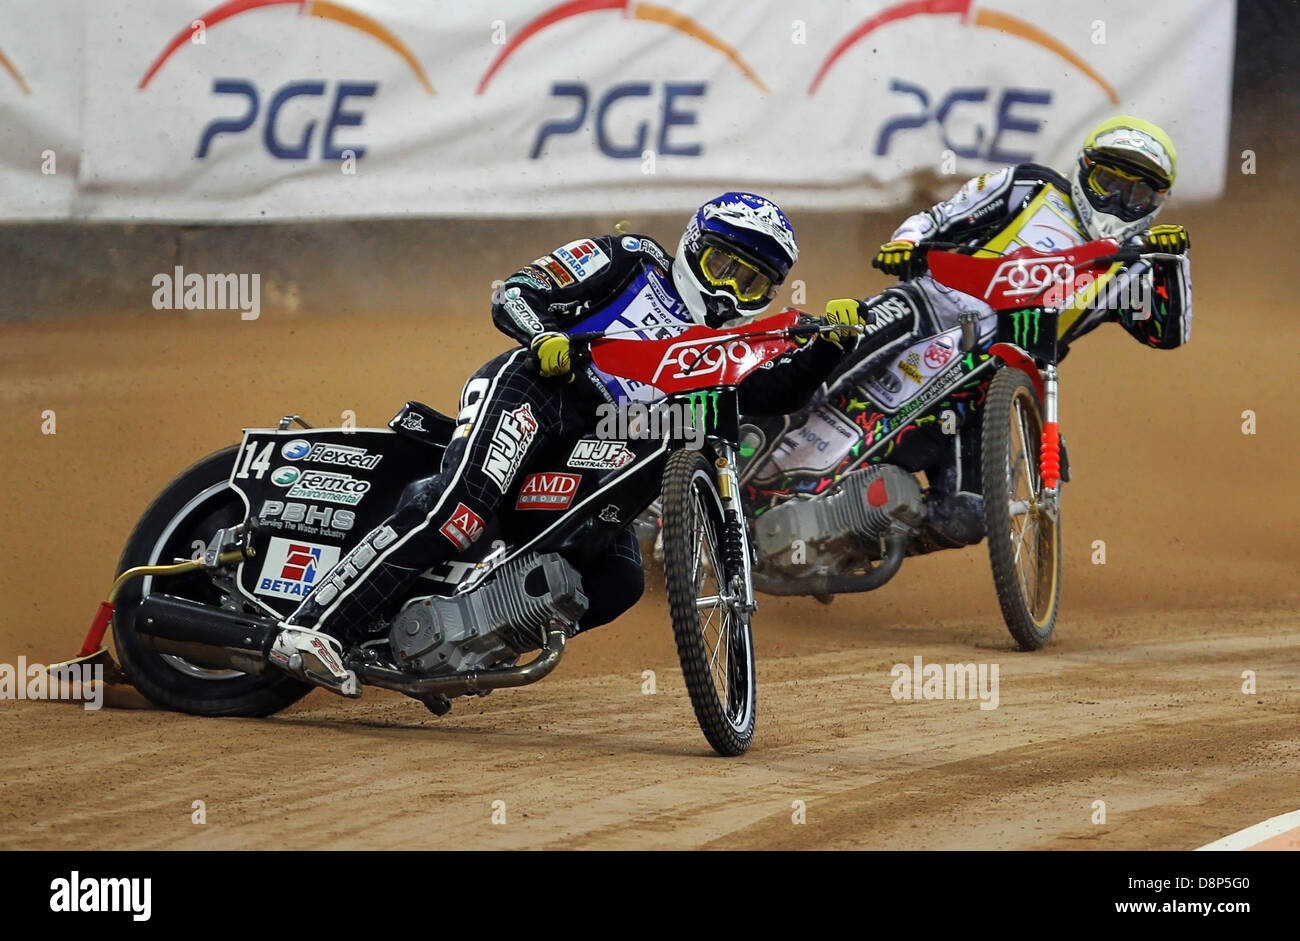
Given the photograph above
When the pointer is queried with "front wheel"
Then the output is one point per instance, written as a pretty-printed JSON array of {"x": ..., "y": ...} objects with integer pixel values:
[
  {"x": 1021, "y": 515},
  {"x": 715, "y": 643}
]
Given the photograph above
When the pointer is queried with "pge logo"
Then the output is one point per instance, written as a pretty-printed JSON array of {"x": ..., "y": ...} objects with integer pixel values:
[
  {"x": 1008, "y": 114},
  {"x": 661, "y": 109},
  {"x": 338, "y": 106}
]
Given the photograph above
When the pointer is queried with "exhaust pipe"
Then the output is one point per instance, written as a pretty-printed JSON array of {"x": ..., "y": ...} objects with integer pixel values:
[
  {"x": 222, "y": 640},
  {"x": 205, "y": 636},
  {"x": 461, "y": 684},
  {"x": 830, "y": 584}
]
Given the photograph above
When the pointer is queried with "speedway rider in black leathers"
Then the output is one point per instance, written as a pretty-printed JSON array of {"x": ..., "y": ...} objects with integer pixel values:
[
  {"x": 733, "y": 255},
  {"x": 1123, "y": 176}
]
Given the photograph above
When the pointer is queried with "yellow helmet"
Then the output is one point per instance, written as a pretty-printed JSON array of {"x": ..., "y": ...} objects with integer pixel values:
[{"x": 1127, "y": 167}]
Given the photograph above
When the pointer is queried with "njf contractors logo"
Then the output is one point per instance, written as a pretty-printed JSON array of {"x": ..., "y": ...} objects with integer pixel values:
[
  {"x": 335, "y": 107},
  {"x": 660, "y": 111},
  {"x": 1005, "y": 110}
]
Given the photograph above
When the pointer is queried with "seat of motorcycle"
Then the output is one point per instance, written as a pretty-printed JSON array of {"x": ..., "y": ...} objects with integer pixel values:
[{"x": 416, "y": 420}]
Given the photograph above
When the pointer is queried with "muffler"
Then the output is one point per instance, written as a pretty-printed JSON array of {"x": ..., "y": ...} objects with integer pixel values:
[{"x": 205, "y": 636}]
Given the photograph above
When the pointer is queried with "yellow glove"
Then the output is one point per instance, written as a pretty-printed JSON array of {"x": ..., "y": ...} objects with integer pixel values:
[
  {"x": 1169, "y": 238},
  {"x": 552, "y": 352},
  {"x": 893, "y": 257},
  {"x": 846, "y": 312}
]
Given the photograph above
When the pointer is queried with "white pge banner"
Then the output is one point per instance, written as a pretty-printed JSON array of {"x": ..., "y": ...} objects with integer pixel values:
[{"x": 290, "y": 109}]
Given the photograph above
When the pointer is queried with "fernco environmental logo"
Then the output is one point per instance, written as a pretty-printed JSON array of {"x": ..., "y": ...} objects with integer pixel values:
[
  {"x": 1022, "y": 323},
  {"x": 285, "y": 476},
  {"x": 327, "y": 487}
]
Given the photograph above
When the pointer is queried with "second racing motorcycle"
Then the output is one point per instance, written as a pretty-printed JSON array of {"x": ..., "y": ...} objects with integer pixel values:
[{"x": 830, "y": 493}]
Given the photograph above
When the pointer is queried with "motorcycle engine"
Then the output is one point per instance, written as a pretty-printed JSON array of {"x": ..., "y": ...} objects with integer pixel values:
[
  {"x": 842, "y": 526},
  {"x": 492, "y": 624}
]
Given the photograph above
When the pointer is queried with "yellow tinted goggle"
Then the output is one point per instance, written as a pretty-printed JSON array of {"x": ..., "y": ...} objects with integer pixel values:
[
  {"x": 1134, "y": 193},
  {"x": 723, "y": 269}
]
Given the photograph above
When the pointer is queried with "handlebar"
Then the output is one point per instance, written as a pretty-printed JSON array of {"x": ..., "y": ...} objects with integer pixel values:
[
  {"x": 1126, "y": 255},
  {"x": 585, "y": 339}
]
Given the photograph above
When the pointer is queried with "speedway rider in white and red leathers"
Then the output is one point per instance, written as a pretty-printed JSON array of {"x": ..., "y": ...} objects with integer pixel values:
[
  {"x": 1123, "y": 176},
  {"x": 734, "y": 254}
]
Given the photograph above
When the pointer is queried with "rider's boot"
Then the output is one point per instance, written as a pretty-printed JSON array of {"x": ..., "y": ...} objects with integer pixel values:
[
  {"x": 314, "y": 657},
  {"x": 307, "y": 652}
]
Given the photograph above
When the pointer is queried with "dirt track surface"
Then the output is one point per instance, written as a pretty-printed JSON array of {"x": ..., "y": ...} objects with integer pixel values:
[{"x": 1137, "y": 702}]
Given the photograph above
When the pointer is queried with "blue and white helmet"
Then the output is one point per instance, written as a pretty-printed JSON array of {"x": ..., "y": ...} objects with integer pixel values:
[{"x": 734, "y": 254}]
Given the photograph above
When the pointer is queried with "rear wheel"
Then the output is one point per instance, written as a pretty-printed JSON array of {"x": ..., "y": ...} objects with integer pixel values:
[
  {"x": 192, "y": 507},
  {"x": 715, "y": 642},
  {"x": 1022, "y": 517}
]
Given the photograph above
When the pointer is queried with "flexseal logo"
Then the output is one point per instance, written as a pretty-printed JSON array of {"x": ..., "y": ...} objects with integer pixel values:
[
  {"x": 88, "y": 894},
  {"x": 343, "y": 455},
  {"x": 295, "y": 450}
]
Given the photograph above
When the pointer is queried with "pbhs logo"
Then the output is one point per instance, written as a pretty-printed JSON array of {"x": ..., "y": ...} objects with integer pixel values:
[
  {"x": 701, "y": 357},
  {"x": 1023, "y": 277}
]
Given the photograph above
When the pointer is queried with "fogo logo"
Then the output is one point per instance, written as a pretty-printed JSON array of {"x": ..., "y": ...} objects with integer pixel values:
[
  {"x": 342, "y": 113},
  {"x": 606, "y": 112},
  {"x": 1021, "y": 277},
  {"x": 701, "y": 357}
]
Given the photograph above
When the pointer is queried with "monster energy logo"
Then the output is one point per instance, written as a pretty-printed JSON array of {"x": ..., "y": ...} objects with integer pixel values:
[
  {"x": 1021, "y": 323},
  {"x": 700, "y": 401}
]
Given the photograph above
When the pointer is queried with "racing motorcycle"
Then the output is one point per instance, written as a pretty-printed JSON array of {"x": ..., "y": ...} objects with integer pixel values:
[
  {"x": 830, "y": 493},
  {"x": 232, "y": 545}
]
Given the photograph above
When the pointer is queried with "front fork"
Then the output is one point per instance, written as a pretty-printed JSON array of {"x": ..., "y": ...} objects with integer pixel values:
[
  {"x": 1050, "y": 455},
  {"x": 737, "y": 533}
]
